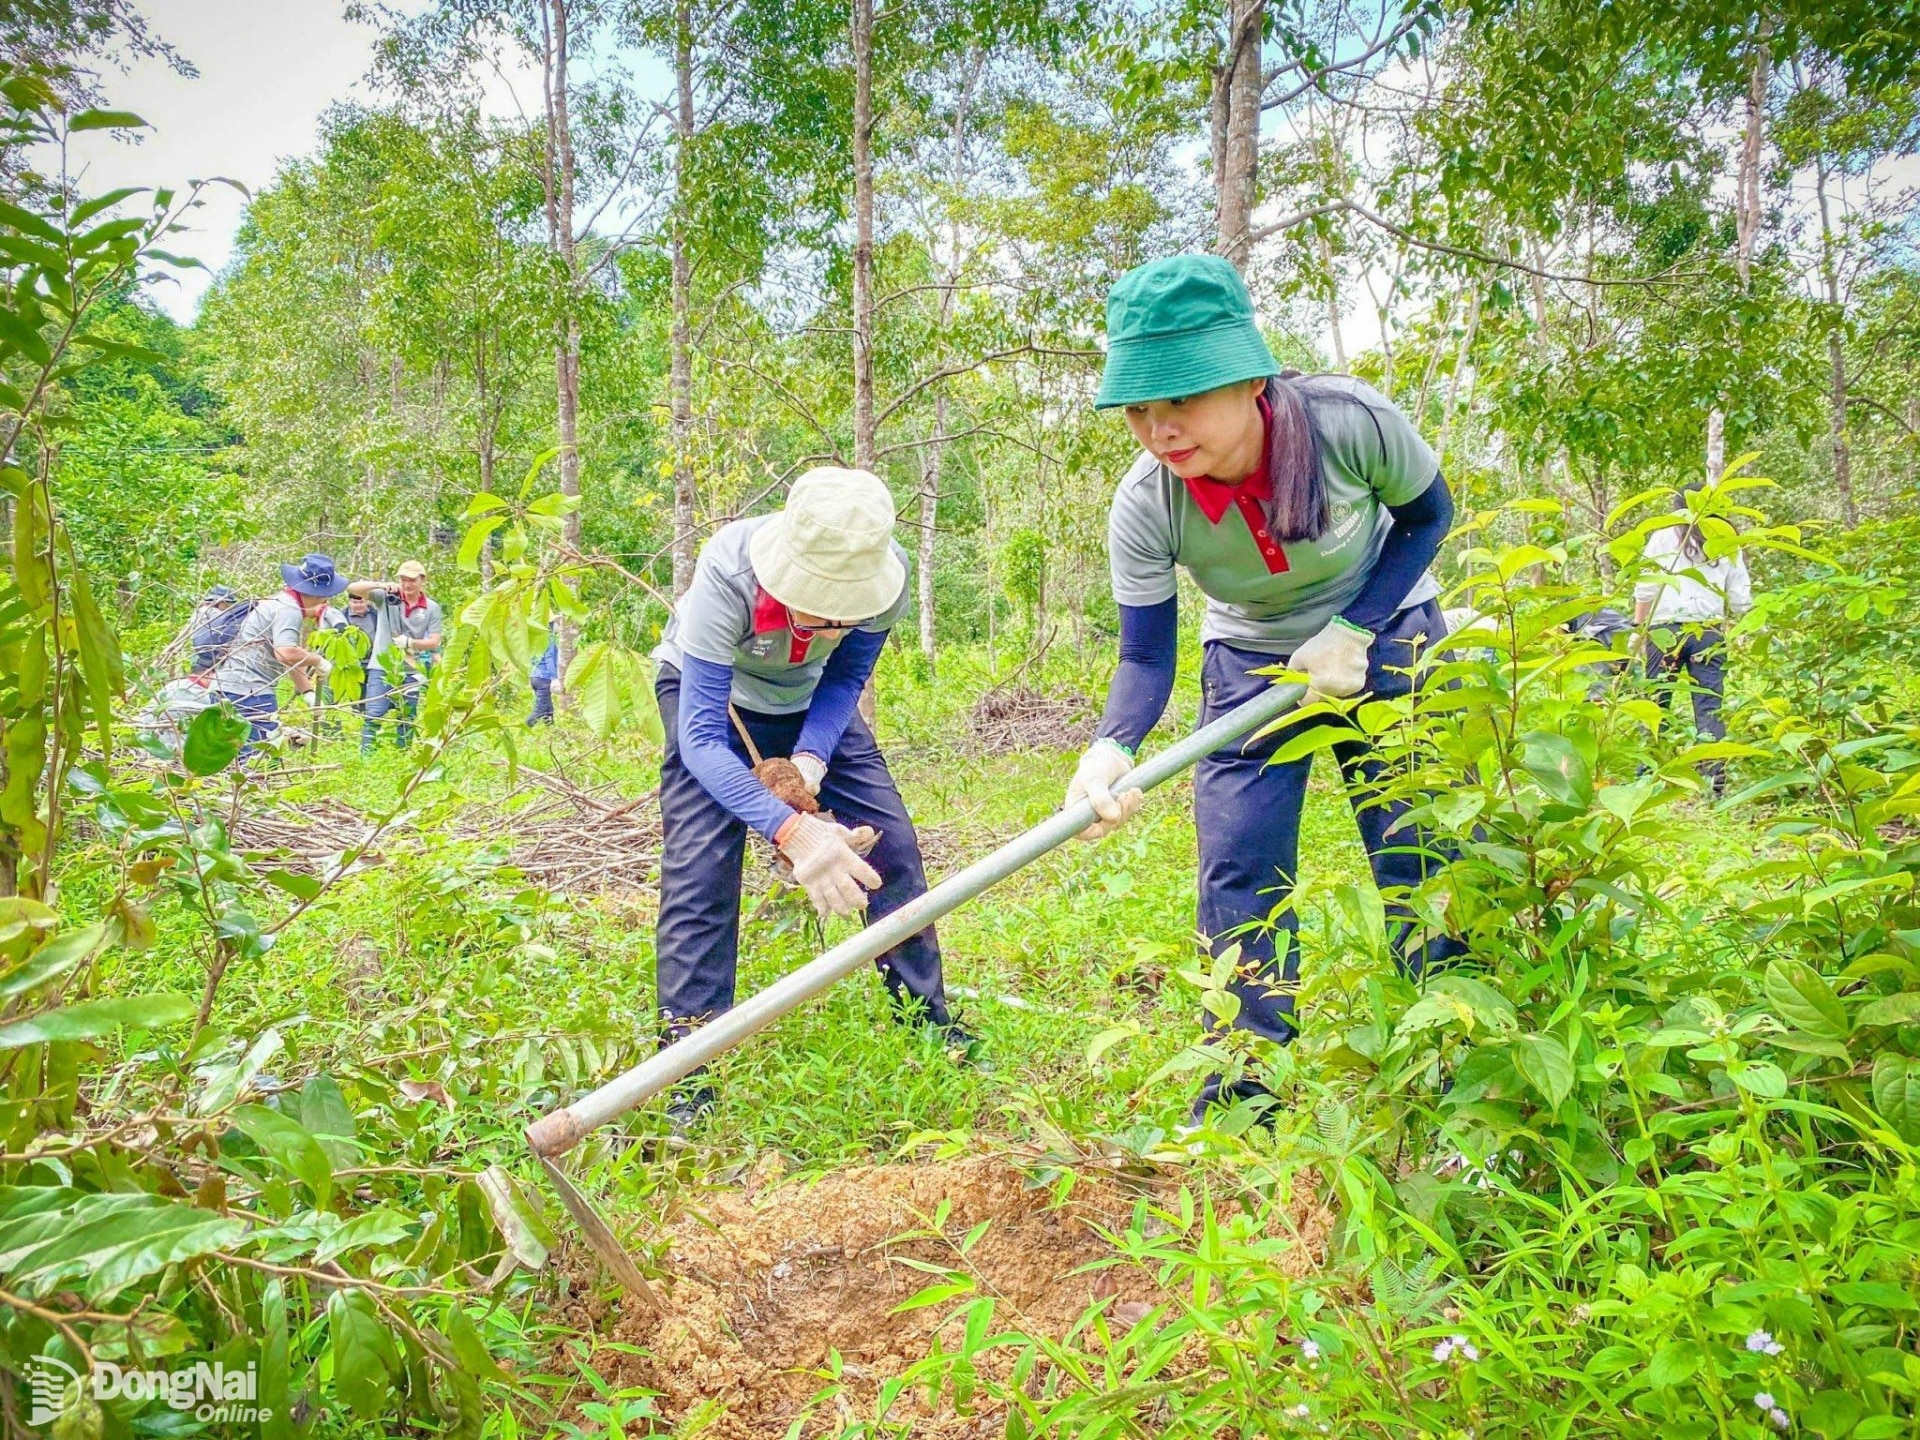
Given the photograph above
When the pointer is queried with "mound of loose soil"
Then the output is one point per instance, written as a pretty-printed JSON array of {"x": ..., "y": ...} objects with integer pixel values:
[
  {"x": 1021, "y": 719},
  {"x": 766, "y": 1284}
]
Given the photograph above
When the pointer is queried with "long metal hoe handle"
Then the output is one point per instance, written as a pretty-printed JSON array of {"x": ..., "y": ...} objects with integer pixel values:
[{"x": 559, "y": 1131}]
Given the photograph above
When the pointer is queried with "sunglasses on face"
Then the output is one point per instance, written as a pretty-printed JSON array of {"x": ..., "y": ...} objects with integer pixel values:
[{"x": 825, "y": 627}]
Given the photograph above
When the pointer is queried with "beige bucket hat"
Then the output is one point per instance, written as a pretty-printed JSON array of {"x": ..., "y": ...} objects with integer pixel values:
[{"x": 830, "y": 552}]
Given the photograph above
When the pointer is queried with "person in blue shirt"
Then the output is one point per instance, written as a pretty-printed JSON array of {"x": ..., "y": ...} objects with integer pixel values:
[
  {"x": 776, "y": 637},
  {"x": 545, "y": 671}
]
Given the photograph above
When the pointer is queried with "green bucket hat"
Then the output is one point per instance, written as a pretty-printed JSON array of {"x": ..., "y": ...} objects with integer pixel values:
[{"x": 1180, "y": 326}]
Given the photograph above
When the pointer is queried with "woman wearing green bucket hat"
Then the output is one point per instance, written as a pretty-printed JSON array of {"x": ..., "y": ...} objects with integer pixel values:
[{"x": 1307, "y": 510}]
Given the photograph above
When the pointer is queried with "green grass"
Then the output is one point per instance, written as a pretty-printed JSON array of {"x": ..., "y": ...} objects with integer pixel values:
[{"x": 436, "y": 966}]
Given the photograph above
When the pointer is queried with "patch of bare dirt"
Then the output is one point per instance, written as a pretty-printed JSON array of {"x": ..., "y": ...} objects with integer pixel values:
[{"x": 766, "y": 1283}]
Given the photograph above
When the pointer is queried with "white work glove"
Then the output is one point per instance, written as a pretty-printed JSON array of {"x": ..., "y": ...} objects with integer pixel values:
[
  {"x": 1093, "y": 780},
  {"x": 812, "y": 770},
  {"x": 1335, "y": 660},
  {"x": 835, "y": 878}
]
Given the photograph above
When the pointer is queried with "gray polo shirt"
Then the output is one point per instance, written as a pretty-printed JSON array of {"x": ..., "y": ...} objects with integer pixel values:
[
  {"x": 393, "y": 619},
  {"x": 250, "y": 666},
  {"x": 1370, "y": 457},
  {"x": 727, "y": 619}
]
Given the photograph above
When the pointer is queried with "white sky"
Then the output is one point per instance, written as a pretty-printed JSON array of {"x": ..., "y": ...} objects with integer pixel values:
[{"x": 268, "y": 68}]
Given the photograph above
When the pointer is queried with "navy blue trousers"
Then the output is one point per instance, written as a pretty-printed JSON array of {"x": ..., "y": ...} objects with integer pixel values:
[
  {"x": 383, "y": 696},
  {"x": 542, "y": 704},
  {"x": 1247, "y": 812},
  {"x": 262, "y": 713},
  {"x": 697, "y": 944}
]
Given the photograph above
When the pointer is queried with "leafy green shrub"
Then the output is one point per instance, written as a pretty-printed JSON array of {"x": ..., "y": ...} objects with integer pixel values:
[{"x": 1643, "y": 1163}]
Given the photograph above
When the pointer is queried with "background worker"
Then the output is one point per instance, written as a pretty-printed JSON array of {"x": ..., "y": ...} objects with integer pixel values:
[
  {"x": 546, "y": 670},
  {"x": 271, "y": 644},
  {"x": 781, "y": 627},
  {"x": 1307, "y": 511},
  {"x": 215, "y": 622},
  {"x": 407, "y": 635},
  {"x": 1683, "y": 604}
]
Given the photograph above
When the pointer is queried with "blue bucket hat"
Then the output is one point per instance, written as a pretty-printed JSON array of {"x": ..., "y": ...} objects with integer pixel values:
[{"x": 314, "y": 576}]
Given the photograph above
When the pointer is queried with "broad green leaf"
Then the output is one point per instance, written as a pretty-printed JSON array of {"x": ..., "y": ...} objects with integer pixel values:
[
  {"x": 90, "y": 1019},
  {"x": 1896, "y": 1094},
  {"x": 107, "y": 1246},
  {"x": 475, "y": 540},
  {"x": 1561, "y": 767},
  {"x": 593, "y": 682},
  {"x": 274, "y": 1388},
  {"x": 1903, "y": 1009},
  {"x": 53, "y": 959},
  {"x": 364, "y": 1358},
  {"x": 1759, "y": 1078},
  {"x": 1832, "y": 1413},
  {"x": 287, "y": 1142},
  {"x": 1674, "y": 1362},
  {"x": 384, "y": 1226},
  {"x": 1800, "y": 996},
  {"x": 214, "y": 740},
  {"x": 106, "y": 120},
  {"x": 325, "y": 1115},
  {"x": 1543, "y": 1062}
]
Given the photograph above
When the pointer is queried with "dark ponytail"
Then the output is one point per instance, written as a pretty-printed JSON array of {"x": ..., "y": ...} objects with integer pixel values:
[
  {"x": 1297, "y": 504},
  {"x": 1693, "y": 544}
]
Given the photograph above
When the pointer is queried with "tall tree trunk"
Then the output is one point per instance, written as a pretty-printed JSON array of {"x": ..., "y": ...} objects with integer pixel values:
[
  {"x": 566, "y": 354},
  {"x": 1239, "y": 175},
  {"x": 929, "y": 514},
  {"x": 1460, "y": 363},
  {"x": 680, "y": 384},
  {"x": 862, "y": 31},
  {"x": 1836, "y": 354},
  {"x": 1746, "y": 215},
  {"x": 930, "y": 474},
  {"x": 1333, "y": 303},
  {"x": 864, "y": 449}
]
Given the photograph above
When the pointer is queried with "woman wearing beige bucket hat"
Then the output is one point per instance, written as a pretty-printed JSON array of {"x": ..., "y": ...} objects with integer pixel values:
[{"x": 776, "y": 637}]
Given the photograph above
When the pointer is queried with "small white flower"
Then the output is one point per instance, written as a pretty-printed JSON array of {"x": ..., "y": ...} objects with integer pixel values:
[
  {"x": 1443, "y": 1351},
  {"x": 1310, "y": 1349},
  {"x": 1467, "y": 1348},
  {"x": 1300, "y": 1411},
  {"x": 1761, "y": 1343},
  {"x": 1764, "y": 1400},
  {"x": 1779, "y": 1419}
]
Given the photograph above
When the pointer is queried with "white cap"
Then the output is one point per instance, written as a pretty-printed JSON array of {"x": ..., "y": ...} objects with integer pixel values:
[{"x": 830, "y": 552}]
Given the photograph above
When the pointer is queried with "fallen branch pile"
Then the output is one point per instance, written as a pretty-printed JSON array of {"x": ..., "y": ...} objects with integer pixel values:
[
  {"x": 575, "y": 840},
  {"x": 1023, "y": 719},
  {"x": 569, "y": 838}
]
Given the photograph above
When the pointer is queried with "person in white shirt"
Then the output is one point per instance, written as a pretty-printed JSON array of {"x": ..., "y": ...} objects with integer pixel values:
[{"x": 1683, "y": 605}]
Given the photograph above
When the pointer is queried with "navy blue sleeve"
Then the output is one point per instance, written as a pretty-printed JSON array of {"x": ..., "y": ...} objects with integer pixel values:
[
  {"x": 707, "y": 751},
  {"x": 841, "y": 681},
  {"x": 1418, "y": 528},
  {"x": 1149, "y": 652}
]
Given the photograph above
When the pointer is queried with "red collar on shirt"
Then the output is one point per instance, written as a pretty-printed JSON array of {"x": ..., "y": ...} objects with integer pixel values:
[
  {"x": 297, "y": 598},
  {"x": 1214, "y": 496},
  {"x": 407, "y": 607},
  {"x": 770, "y": 614}
]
